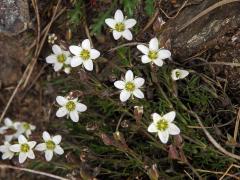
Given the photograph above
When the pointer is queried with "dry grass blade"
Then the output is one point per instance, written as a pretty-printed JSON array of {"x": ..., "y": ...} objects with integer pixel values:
[
  {"x": 230, "y": 167},
  {"x": 3, "y": 166}
]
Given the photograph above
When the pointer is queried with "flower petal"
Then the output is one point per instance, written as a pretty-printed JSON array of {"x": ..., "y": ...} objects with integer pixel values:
[
  {"x": 41, "y": 147},
  {"x": 94, "y": 54},
  {"x": 118, "y": 16},
  {"x": 127, "y": 34},
  {"x": 145, "y": 59},
  {"x": 163, "y": 136},
  {"x": 86, "y": 44},
  {"x": 153, "y": 44},
  {"x": 138, "y": 93},
  {"x": 62, "y": 101},
  {"x": 81, "y": 107},
  {"x": 48, "y": 155},
  {"x": 57, "y": 139},
  {"x": 129, "y": 76},
  {"x": 22, "y": 139},
  {"x": 3, "y": 130},
  {"x": 110, "y": 22},
  {"x": 164, "y": 54},
  {"x": 51, "y": 59},
  {"x": 15, "y": 148},
  {"x": 138, "y": 82},
  {"x": 143, "y": 49},
  {"x": 152, "y": 128},
  {"x": 129, "y": 23},
  {"x": 32, "y": 144},
  {"x": 184, "y": 74},
  {"x": 76, "y": 61},
  {"x": 56, "y": 49},
  {"x": 61, "y": 112},
  {"x": 3, "y": 148},
  {"x": 116, "y": 34},
  {"x": 156, "y": 117},
  {"x": 124, "y": 95},
  {"x": 119, "y": 84},
  {"x": 46, "y": 136},
  {"x": 57, "y": 66},
  {"x": 170, "y": 116},
  {"x": 173, "y": 129},
  {"x": 22, "y": 157},
  {"x": 7, "y": 155},
  {"x": 88, "y": 65},
  {"x": 31, "y": 154},
  {"x": 74, "y": 116},
  {"x": 8, "y": 122},
  {"x": 76, "y": 50},
  {"x": 158, "y": 62},
  {"x": 58, "y": 150}
]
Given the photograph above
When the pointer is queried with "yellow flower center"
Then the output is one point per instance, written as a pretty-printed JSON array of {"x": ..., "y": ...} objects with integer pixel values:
[
  {"x": 85, "y": 54},
  {"x": 153, "y": 55},
  {"x": 61, "y": 58},
  {"x": 26, "y": 126},
  {"x": 70, "y": 106},
  {"x": 25, "y": 148},
  {"x": 50, "y": 145},
  {"x": 178, "y": 74},
  {"x": 129, "y": 86},
  {"x": 162, "y": 125},
  {"x": 120, "y": 27}
]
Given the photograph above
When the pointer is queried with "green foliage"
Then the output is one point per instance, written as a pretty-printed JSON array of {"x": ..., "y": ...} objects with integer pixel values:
[
  {"x": 130, "y": 6},
  {"x": 99, "y": 21},
  {"x": 149, "y": 7},
  {"x": 77, "y": 14}
]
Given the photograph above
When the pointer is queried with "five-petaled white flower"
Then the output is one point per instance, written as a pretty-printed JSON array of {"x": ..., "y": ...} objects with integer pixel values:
[
  {"x": 7, "y": 153},
  {"x": 70, "y": 107},
  {"x": 84, "y": 55},
  {"x": 50, "y": 145},
  {"x": 25, "y": 128},
  {"x": 24, "y": 148},
  {"x": 179, "y": 74},
  {"x": 153, "y": 54},
  {"x": 130, "y": 86},
  {"x": 163, "y": 126},
  {"x": 60, "y": 59},
  {"x": 8, "y": 124},
  {"x": 120, "y": 26}
]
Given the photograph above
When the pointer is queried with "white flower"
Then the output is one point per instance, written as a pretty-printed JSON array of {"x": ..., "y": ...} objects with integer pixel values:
[
  {"x": 120, "y": 26},
  {"x": 130, "y": 86},
  {"x": 153, "y": 54},
  {"x": 179, "y": 74},
  {"x": 70, "y": 107},
  {"x": 163, "y": 126},
  {"x": 8, "y": 124},
  {"x": 25, "y": 128},
  {"x": 84, "y": 55},
  {"x": 50, "y": 145},
  {"x": 59, "y": 59},
  {"x": 24, "y": 148},
  {"x": 7, "y": 153}
]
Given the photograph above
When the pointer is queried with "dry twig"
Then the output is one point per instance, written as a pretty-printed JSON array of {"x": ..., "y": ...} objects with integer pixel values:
[{"x": 4, "y": 166}]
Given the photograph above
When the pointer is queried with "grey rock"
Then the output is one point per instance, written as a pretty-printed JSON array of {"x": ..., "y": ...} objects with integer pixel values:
[{"x": 14, "y": 16}]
